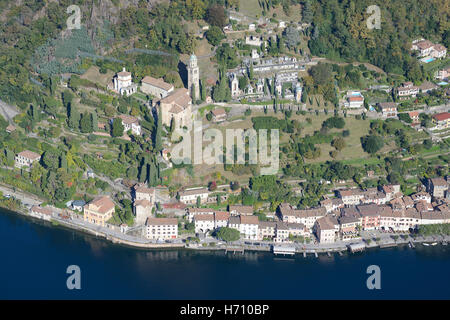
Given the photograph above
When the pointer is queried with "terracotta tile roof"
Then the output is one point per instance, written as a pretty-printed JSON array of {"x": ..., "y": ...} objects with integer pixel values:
[
  {"x": 161, "y": 221},
  {"x": 41, "y": 210},
  {"x": 101, "y": 204},
  {"x": 248, "y": 210},
  {"x": 143, "y": 203},
  {"x": 179, "y": 97},
  {"x": 326, "y": 223},
  {"x": 160, "y": 83},
  {"x": 441, "y": 116},
  {"x": 222, "y": 215},
  {"x": 249, "y": 219},
  {"x": 424, "y": 44},
  {"x": 128, "y": 119},
  {"x": 218, "y": 112},
  {"x": 144, "y": 189},
  {"x": 204, "y": 217},
  {"x": 29, "y": 154}
]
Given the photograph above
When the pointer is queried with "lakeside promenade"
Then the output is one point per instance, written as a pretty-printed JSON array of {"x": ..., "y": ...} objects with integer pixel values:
[{"x": 75, "y": 221}]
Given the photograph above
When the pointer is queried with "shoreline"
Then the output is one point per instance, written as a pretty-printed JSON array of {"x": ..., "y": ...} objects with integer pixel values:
[{"x": 234, "y": 249}]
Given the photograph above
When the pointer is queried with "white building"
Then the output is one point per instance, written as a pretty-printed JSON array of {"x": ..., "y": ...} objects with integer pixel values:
[
  {"x": 204, "y": 223},
  {"x": 130, "y": 123},
  {"x": 246, "y": 225},
  {"x": 326, "y": 229},
  {"x": 123, "y": 84},
  {"x": 26, "y": 159},
  {"x": 355, "y": 100},
  {"x": 190, "y": 196},
  {"x": 161, "y": 228}
]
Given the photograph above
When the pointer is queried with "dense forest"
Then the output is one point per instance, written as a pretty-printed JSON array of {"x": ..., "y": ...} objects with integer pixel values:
[
  {"x": 339, "y": 30},
  {"x": 34, "y": 36}
]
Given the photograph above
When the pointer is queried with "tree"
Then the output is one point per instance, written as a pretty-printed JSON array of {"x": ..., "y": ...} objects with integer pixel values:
[
  {"x": 307, "y": 12},
  {"x": 74, "y": 118},
  {"x": 202, "y": 91},
  {"x": 234, "y": 185},
  {"x": 338, "y": 143},
  {"x": 216, "y": 16},
  {"x": 372, "y": 143},
  {"x": 157, "y": 137},
  {"x": 228, "y": 234},
  {"x": 117, "y": 128},
  {"x": 50, "y": 160},
  {"x": 292, "y": 37},
  {"x": 86, "y": 123},
  {"x": 214, "y": 35},
  {"x": 199, "y": 202}
]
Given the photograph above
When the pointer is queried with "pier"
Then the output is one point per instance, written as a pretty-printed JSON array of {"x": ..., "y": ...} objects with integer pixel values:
[
  {"x": 356, "y": 247},
  {"x": 234, "y": 250},
  {"x": 283, "y": 250}
]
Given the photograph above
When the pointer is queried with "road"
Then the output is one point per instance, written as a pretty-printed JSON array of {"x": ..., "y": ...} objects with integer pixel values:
[
  {"x": 27, "y": 199},
  {"x": 8, "y": 111}
]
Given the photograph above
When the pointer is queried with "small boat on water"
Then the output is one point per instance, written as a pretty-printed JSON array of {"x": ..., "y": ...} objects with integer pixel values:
[
  {"x": 434, "y": 243},
  {"x": 426, "y": 244}
]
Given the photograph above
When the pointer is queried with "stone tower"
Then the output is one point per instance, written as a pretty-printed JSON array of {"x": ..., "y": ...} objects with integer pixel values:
[{"x": 193, "y": 77}]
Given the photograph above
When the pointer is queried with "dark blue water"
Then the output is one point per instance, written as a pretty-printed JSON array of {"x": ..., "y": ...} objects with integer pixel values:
[{"x": 35, "y": 256}]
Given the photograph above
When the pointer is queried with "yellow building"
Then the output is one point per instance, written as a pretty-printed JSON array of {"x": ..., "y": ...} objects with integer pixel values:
[{"x": 99, "y": 210}]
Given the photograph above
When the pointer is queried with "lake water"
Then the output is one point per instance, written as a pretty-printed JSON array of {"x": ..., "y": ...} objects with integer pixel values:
[{"x": 35, "y": 256}]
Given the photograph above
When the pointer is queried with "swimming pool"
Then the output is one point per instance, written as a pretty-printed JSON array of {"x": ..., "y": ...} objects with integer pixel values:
[{"x": 427, "y": 60}]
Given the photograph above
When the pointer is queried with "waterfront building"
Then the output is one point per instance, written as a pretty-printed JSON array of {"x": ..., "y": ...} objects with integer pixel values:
[
  {"x": 267, "y": 230},
  {"x": 204, "y": 223},
  {"x": 285, "y": 230},
  {"x": 370, "y": 216},
  {"x": 41, "y": 213},
  {"x": 307, "y": 217},
  {"x": 326, "y": 229},
  {"x": 26, "y": 159},
  {"x": 161, "y": 228},
  {"x": 99, "y": 210},
  {"x": 247, "y": 225}
]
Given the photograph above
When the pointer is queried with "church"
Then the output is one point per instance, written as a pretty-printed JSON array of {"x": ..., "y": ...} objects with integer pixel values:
[{"x": 178, "y": 104}]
